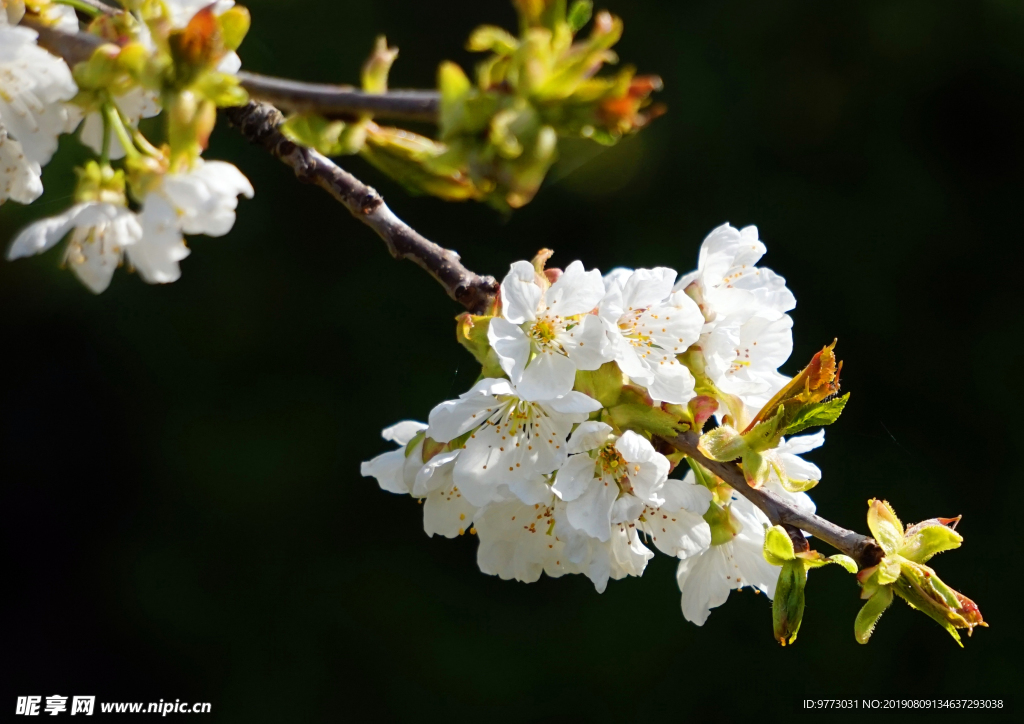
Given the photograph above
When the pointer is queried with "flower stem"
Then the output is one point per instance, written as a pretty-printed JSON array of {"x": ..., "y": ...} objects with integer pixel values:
[
  {"x": 105, "y": 148},
  {"x": 80, "y": 5},
  {"x": 112, "y": 116}
]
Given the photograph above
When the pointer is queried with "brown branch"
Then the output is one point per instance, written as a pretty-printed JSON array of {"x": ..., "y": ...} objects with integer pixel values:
[
  {"x": 864, "y": 550},
  {"x": 259, "y": 123},
  {"x": 72, "y": 47},
  {"x": 341, "y": 102}
]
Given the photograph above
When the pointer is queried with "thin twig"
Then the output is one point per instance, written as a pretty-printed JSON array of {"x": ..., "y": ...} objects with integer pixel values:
[
  {"x": 341, "y": 102},
  {"x": 259, "y": 123},
  {"x": 72, "y": 47},
  {"x": 864, "y": 550}
]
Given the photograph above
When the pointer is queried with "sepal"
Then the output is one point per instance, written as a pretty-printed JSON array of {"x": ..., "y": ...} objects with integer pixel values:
[
  {"x": 471, "y": 332},
  {"x": 870, "y": 612},
  {"x": 635, "y": 410},
  {"x": 885, "y": 526},
  {"x": 603, "y": 384},
  {"x": 722, "y": 444},
  {"x": 930, "y": 537}
]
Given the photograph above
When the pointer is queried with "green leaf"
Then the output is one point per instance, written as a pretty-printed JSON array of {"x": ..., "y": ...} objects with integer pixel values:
[
  {"x": 927, "y": 539},
  {"x": 864, "y": 624},
  {"x": 778, "y": 546},
  {"x": 579, "y": 14},
  {"x": 818, "y": 414},
  {"x": 765, "y": 435},
  {"x": 844, "y": 561}
]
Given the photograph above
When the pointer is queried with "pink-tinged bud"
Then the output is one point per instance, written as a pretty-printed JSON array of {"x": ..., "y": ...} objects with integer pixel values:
[
  {"x": 702, "y": 408},
  {"x": 552, "y": 275}
]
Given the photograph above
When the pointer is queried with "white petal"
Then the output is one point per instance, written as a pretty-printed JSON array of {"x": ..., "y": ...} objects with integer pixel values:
[
  {"x": 646, "y": 287},
  {"x": 402, "y": 432},
  {"x": 531, "y": 490},
  {"x": 511, "y": 345},
  {"x": 686, "y": 494},
  {"x": 575, "y": 403},
  {"x": 592, "y": 512},
  {"x": 799, "y": 469},
  {"x": 574, "y": 477},
  {"x": 626, "y": 509},
  {"x": 162, "y": 246},
  {"x": 456, "y": 417},
  {"x": 520, "y": 294},
  {"x": 435, "y": 473},
  {"x": 19, "y": 177},
  {"x": 43, "y": 234},
  {"x": 703, "y": 584},
  {"x": 387, "y": 468},
  {"x": 575, "y": 292},
  {"x": 802, "y": 444},
  {"x": 636, "y": 448},
  {"x": 546, "y": 377},
  {"x": 589, "y": 436},
  {"x": 587, "y": 343}
]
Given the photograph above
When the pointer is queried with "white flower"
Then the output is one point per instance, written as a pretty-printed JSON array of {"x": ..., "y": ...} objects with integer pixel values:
[
  {"x": 33, "y": 86},
  {"x": 747, "y": 334},
  {"x": 728, "y": 278},
  {"x": 706, "y": 579},
  {"x": 445, "y": 510},
  {"x": 512, "y": 441},
  {"x": 623, "y": 554},
  {"x": 100, "y": 234},
  {"x": 544, "y": 337},
  {"x": 648, "y": 325},
  {"x": 677, "y": 526},
  {"x": 519, "y": 541},
  {"x": 604, "y": 472},
  {"x": 615, "y": 488},
  {"x": 396, "y": 470},
  {"x": 201, "y": 200}
]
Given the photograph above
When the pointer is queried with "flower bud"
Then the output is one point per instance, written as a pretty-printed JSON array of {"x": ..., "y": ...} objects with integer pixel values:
[
  {"x": 101, "y": 184},
  {"x": 788, "y": 604},
  {"x": 919, "y": 586}
]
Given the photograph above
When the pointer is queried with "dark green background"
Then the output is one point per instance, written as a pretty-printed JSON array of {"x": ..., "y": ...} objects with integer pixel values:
[{"x": 183, "y": 508}]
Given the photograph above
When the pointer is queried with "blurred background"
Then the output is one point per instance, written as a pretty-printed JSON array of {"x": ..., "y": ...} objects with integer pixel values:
[{"x": 183, "y": 511}]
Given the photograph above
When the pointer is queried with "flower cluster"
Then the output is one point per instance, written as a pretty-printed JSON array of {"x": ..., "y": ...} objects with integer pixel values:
[
  {"x": 175, "y": 56},
  {"x": 557, "y": 457}
]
